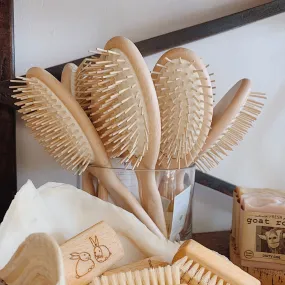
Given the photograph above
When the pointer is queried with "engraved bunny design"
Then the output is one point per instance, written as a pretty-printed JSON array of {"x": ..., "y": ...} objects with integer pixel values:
[
  {"x": 101, "y": 252},
  {"x": 84, "y": 263}
]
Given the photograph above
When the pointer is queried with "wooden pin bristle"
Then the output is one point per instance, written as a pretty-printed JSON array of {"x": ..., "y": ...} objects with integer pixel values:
[
  {"x": 179, "y": 85},
  {"x": 55, "y": 127},
  {"x": 116, "y": 104}
]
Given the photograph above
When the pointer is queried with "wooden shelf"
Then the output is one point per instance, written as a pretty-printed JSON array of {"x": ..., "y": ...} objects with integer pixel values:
[{"x": 217, "y": 241}]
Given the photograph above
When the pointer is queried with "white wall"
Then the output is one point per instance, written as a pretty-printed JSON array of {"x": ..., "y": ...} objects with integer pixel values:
[
  {"x": 55, "y": 31},
  {"x": 50, "y": 32},
  {"x": 255, "y": 51}
]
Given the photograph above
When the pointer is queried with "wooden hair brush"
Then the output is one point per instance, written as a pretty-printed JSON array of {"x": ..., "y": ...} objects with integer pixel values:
[
  {"x": 37, "y": 261},
  {"x": 233, "y": 117},
  {"x": 125, "y": 113},
  {"x": 168, "y": 275},
  {"x": 68, "y": 79},
  {"x": 62, "y": 127},
  {"x": 185, "y": 97},
  {"x": 199, "y": 265}
]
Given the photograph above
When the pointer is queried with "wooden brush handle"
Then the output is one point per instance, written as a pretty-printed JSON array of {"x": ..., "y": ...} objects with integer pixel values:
[
  {"x": 215, "y": 263},
  {"x": 150, "y": 198},
  {"x": 87, "y": 183},
  {"x": 122, "y": 197},
  {"x": 67, "y": 79},
  {"x": 102, "y": 192}
]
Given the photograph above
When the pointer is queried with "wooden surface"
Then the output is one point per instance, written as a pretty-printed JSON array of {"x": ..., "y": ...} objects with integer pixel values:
[
  {"x": 151, "y": 262},
  {"x": 91, "y": 253},
  {"x": 217, "y": 241},
  {"x": 7, "y": 113}
]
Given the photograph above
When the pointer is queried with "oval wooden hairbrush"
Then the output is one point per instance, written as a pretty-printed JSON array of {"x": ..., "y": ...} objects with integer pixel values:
[
  {"x": 233, "y": 116},
  {"x": 125, "y": 113},
  {"x": 62, "y": 127},
  {"x": 185, "y": 97},
  {"x": 68, "y": 79}
]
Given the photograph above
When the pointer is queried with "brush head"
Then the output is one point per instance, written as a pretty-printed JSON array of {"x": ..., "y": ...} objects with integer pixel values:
[
  {"x": 58, "y": 122},
  {"x": 123, "y": 102},
  {"x": 200, "y": 265},
  {"x": 169, "y": 275},
  {"x": 233, "y": 116},
  {"x": 185, "y": 97}
]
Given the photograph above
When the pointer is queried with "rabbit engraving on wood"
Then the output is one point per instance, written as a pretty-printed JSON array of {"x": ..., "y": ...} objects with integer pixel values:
[
  {"x": 101, "y": 252},
  {"x": 84, "y": 263}
]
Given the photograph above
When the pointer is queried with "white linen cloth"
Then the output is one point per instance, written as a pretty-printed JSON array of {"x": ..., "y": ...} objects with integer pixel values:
[{"x": 63, "y": 211}]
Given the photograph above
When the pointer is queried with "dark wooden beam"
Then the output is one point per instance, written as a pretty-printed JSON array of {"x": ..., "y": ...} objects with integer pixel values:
[
  {"x": 210, "y": 28},
  {"x": 183, "y": 36},
  {"x": 8, "y": 173}
]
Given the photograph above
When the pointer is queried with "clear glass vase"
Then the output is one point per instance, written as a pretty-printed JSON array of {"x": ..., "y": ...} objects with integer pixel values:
[{"x": 176, "y": 188}]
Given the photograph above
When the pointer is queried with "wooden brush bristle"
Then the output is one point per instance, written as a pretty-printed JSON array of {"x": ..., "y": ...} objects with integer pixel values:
[
  {"x": 234, "y": 133},
  {"x": 113, "y": 94},
  {"x": 193, "y": 273},
  {"x": 186, "y": 112},
  {"x": 52, "y": 124},
  {"x": 168, "y": 275}
]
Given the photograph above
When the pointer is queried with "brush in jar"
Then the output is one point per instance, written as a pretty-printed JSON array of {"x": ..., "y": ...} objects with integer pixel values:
[
  {"x": 168, "y": 275},
  {"x": 200, "y": 265},
  {"x": 59, "y": 124},
  {"x": 233, "y": 116},
  {"x": 68, "y": 79},
  {"x": 185, "y": 95},
  {"x": 125, "y": 113}
]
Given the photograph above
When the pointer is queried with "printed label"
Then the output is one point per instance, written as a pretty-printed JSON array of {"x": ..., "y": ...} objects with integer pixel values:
[
  {"x": 181, "y": 203},
  {"x": 262, "y": 237}
]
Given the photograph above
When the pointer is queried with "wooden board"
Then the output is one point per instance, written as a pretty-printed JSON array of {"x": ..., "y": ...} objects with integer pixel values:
[
  {"x": 7, "y": 114},
  {"x": 217, "y": 241},
  {"x": 91, "y": 253}
]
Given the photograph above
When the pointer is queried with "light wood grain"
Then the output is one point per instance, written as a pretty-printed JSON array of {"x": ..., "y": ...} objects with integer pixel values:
[
  {"x": 151, "y": 262},
  {"x": 213, "y": 263},
  {"x": 37, "y": 261},
  {"x": 169, "y": 275},
  {"x": 91, "y": 253}
]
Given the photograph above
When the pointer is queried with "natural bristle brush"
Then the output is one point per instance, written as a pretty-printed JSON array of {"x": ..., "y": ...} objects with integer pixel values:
[
  {"x": 68, "y": 79},
  {"x": 125, "y": 113},
  {"x": 200, "y": 265},
  {"x": 185, "y": 97},
  {"x": 233, "y": 116},
  {"x": 62, "y": 127},
  {"x": 168, "y": 275}
]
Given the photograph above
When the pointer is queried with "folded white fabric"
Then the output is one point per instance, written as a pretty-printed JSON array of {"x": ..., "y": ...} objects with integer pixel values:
[{"x": 63, "y": 211}]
